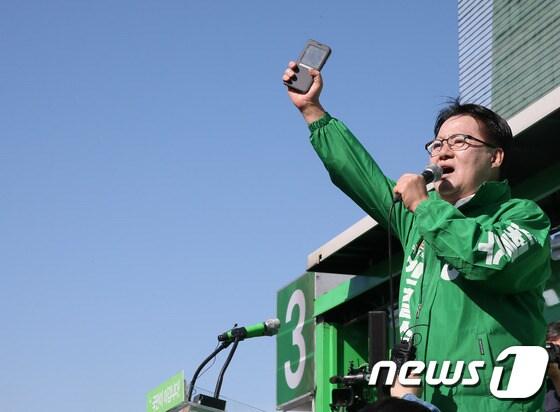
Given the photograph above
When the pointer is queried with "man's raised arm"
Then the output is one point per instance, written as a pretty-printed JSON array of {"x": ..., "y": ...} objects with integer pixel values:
[{"x": 350, "y": 166}]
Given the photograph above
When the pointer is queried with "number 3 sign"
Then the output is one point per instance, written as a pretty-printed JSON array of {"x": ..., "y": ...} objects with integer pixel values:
[{"x": 294, "y": 377}]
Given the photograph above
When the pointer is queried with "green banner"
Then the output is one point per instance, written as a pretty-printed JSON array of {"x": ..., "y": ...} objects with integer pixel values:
[
  {"x": 168, "y": 395},
  {"x": 295, "y": 341}
]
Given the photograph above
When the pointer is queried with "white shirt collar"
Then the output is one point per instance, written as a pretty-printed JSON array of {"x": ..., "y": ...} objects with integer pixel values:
[{"x": 464, "y": 200}]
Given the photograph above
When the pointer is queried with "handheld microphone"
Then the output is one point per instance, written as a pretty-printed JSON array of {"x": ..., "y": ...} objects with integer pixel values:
[
  {"x": 431, "y": 173},
  {"x": 267, "y": 328}
]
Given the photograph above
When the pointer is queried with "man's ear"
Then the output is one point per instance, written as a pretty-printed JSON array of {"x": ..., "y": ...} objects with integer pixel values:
[{"x": 497, "y": 158}]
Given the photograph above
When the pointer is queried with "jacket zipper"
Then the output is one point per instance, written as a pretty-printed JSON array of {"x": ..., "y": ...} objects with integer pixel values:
[{"x": 481, "y": 346}]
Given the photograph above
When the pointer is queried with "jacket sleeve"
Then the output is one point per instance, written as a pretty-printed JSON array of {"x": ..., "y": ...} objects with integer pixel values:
[
  {"x": 354, "y": 171},
  {"x": 511, "y": 254}
]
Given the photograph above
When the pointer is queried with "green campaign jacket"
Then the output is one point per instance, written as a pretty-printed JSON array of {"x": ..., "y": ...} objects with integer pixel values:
[{"x": 472, "y": 278}]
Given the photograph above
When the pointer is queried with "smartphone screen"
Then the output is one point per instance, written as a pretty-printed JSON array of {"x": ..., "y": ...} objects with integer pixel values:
[{"x": 313, "y": 56}]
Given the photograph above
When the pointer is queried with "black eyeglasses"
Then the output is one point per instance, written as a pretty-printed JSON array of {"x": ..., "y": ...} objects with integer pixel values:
[{"x": 455, "y": 142}]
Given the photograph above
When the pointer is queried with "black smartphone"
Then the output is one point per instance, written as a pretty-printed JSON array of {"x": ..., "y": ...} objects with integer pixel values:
[{"x": 313, "y": 56}]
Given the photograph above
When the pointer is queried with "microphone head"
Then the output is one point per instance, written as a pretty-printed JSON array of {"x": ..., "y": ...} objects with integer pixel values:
[
  {"x": 432, "y": 173},
  {"x": 272, "y": 326}
]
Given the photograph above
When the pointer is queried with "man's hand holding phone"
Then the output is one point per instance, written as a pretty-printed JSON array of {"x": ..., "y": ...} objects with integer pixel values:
[
  {"x": 304, "y": 81},
  {"x": 307, "y": 103}
]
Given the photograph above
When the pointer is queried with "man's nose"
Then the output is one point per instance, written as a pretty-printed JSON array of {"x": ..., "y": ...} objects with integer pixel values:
[{"x": 445, "y": 152}]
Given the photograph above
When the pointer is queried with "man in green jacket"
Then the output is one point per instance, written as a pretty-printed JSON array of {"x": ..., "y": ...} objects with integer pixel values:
[{"x": 476, "y": 260}]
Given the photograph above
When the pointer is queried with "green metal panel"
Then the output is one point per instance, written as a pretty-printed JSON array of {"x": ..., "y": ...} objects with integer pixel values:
[
  {"x": 327, "y": 362},
  {"x": 355, "y": 350},
  {"x": 355, "y": 343},
  {"x": 345, "y": 292},
  {"x": 525, "y": 53}
]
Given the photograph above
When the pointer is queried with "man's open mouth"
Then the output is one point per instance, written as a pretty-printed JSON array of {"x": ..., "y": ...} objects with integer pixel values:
[{"x": 447, "y": 170}]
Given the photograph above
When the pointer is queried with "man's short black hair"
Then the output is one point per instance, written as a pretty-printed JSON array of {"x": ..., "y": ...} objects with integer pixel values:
[{"x": 498, "y": 131}]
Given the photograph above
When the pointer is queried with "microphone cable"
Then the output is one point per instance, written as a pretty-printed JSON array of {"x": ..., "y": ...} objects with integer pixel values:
[
  {"x": 212, "y": 362},
  {"x": 391, "y": 292}
]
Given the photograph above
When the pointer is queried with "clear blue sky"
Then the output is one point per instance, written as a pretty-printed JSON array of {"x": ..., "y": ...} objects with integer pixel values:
[{"x": 157, "y": 185}]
